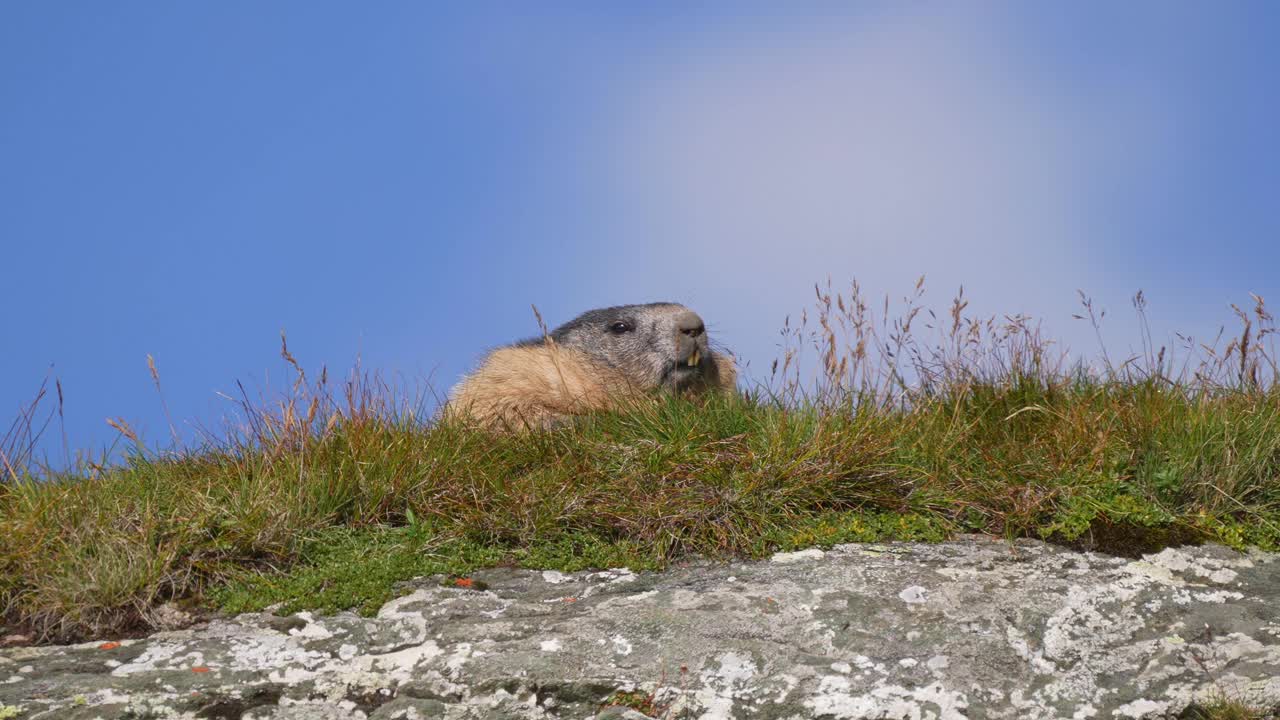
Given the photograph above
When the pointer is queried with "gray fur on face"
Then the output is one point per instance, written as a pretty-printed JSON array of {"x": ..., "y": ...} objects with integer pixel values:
[{"x": 651, "y": 344}]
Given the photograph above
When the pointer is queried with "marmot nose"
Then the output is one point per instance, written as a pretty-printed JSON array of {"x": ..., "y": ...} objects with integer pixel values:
[{"x": 688, "y": 323}]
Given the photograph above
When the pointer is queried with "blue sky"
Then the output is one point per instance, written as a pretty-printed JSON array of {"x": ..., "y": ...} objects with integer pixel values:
[{"x": 402, "y": 180}]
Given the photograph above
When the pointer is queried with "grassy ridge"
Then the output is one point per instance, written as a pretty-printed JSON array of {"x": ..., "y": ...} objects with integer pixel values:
[{"x": 327, "y": 496}]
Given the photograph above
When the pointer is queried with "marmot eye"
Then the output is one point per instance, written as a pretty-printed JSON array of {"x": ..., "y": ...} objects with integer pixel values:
[{"x": 620, "y": 327}]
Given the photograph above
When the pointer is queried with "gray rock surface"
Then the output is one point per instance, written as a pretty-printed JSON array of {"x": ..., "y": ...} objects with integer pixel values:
[{"x": 967, "y": 629}]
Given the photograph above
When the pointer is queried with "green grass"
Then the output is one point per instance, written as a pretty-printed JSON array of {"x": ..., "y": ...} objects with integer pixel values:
[
  {"x": 1229, "y": 710},
  {"x": 637, "y": 700},
  {"x": 345, "y": 569},
  {"x": 327, "y": 497}
]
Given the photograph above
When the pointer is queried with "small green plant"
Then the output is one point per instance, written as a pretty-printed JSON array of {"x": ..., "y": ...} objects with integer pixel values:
[
  {"x": 637, "y": 700},
  {"x": 1224, "y": 709}
]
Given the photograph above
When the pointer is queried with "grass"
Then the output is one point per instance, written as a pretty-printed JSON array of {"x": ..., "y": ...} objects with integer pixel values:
[
  {"x": 869, "y": 429},
  {"x": 1229, "y": 710}
]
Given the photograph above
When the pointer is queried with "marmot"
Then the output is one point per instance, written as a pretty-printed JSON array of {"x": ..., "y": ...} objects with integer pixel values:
[{"x": 597, "y": 361}]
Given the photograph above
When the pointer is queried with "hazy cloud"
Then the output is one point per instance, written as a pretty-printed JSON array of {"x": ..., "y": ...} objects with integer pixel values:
[{"x": 886, "y": 147}]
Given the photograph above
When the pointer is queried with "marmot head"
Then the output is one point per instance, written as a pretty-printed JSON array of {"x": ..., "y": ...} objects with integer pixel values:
[{"x": 657, "y": 345}]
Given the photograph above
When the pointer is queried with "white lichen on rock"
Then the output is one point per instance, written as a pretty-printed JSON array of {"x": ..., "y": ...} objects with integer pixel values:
[{"x": 905, "y": 631}]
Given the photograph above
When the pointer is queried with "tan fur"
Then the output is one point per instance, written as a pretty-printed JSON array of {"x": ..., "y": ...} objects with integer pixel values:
[{"x": 537, "y": 386}]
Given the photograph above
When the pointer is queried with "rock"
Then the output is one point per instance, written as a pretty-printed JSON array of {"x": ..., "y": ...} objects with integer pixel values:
[
  {"x": 621, "y": 713},
  {"x": 286, "y": 623},
  {"x": 407, "y": 708},
  {"x": 169, "y": 617},
  {"x": 966, "y": 629}
]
